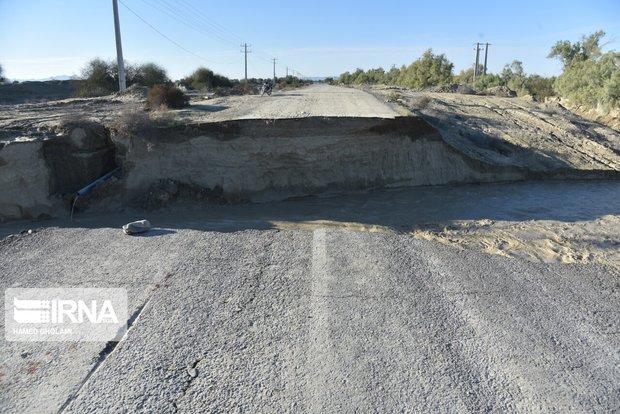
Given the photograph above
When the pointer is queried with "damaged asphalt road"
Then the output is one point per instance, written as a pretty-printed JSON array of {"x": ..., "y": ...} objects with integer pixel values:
[{"x": 315, "y": 321}]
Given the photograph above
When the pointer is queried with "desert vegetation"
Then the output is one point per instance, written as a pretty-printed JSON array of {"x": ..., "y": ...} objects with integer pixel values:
[
  {"x": 166, "y": 97},
  {"x": 428, "y": 70},
  {"x": 589, "y": 78},
  {"x": 203, "y": 78},
  {"x": 100, "y": 77}
]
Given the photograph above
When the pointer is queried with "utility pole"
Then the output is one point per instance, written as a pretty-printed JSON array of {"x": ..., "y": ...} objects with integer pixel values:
[
  {"x": 245, "y": 51},
  {"x": 477, "y": 61},
  {"x": 486, "y": 53},
  {"x": 122, "y": 83},
  {"x": 274, "y": 69},
  {"x": 287, "y": 71}
]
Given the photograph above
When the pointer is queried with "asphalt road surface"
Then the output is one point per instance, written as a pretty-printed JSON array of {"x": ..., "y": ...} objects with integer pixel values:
[{"x": 322, "y": 321}]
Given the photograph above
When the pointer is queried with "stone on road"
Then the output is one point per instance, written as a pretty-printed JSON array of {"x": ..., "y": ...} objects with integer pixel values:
[{"x": 316, "y": 321}]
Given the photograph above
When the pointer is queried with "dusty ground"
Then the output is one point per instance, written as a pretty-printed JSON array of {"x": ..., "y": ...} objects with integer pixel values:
[{"x": 36, "y": 118}]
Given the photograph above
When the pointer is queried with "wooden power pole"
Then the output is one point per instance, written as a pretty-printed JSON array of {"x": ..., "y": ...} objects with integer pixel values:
[
  {"x": 486, "y": 54},
  {"x": 477, "y": 61}
]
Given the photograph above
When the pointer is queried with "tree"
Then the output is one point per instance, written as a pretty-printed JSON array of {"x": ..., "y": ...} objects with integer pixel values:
[
  {"x": 1, "y": 73},
  {"x": 392, "y": 75},
  {"x": 345, "y": 78},
  {"x": 205, "y": 78},
  {"x": 149, "y": 74},
  {"x": 590, "y": 77},
  {"x": 588, "y": 48},
  {"x": 513, "y": 76},
  {"x": 99, "y": 78},
  {"x": 429, "y": 70}
]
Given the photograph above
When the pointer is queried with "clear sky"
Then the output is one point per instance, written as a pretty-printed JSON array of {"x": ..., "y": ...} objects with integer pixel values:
[{"x": 44, "y": 38}]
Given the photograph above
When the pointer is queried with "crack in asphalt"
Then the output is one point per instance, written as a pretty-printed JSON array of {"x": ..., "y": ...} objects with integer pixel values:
[
  {"x": 103, "y": 355},
  {"x": 192, "y": 374},
  {"x": 110, "y": 346}
]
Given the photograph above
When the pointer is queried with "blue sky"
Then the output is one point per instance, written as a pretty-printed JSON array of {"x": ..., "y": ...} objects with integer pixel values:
[{"x": 41, "y": 38}]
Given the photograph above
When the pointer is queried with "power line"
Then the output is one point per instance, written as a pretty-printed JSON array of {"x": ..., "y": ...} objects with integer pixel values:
[
  {"x": 164, "y": 36},
  {"x": 187, "y": 20},
  {"x": 191, "y": 16},
  {"x": 195, "y": 11}
]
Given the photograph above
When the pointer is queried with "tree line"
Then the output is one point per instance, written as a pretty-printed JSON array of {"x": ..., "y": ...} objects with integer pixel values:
[
  {"x": 100, "y": 77},
  {"x": 589, "y": 77}
]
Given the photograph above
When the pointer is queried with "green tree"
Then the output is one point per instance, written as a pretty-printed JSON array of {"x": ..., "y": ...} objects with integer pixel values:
[
  {"x": 149, "y": 74},
  {"x": 359, "y": 77},
  {"x": 539, "y": 87},
  {"x": 588, "y": 48},
  {"x": 99, "y": 78},
  {"x": 592, "y": 82},
  {"x": 429, "y": 70},
  {"x": 345, "y": 78},
  {"x": 203, "y": 78},
  {"x": 590, "y": 77},
  {"x": 392, "y": 75},
  {"x": 513, "y": 76},
  {"x": 487, "y": 81}
]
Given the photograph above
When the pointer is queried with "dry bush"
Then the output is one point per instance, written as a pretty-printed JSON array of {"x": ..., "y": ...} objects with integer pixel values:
[
  {"x": 166, "y": 97},
  {"x": 243, "y": 88},
  {"x": 421, "y": 102},
  {"x": 135, "y": 122},
  {"x": 393, "y": 96}
]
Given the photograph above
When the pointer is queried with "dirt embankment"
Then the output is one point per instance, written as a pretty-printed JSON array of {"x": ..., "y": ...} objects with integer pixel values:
[
  {"x": 238, "y": 148},
  {"x": 512, "y": 131}
]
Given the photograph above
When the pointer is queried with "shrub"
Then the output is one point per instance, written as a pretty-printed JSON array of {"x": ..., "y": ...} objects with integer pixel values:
[
  {"x": 148, "y": 74},
  {"x": 429, "y": 70},
  {"x": 98, "y": 79},
  {"x": 166, "y": 97},
  {"x": 101, "y": 77},
  {"x": 135, "y": 123},
  {"x": 244, "y": 88},
  {"x": 487, "y": 81},
  {"x": 204, "y": 78},
  {"x": 590, "y": 77}
]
